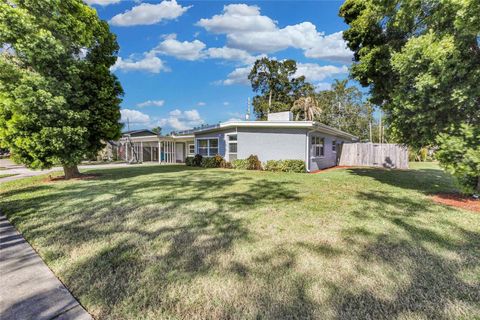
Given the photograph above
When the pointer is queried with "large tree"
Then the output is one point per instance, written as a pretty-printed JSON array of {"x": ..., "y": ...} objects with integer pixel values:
[
  {"x": 343, "y": 107},
  {"x": 59, "y": 101},
  {"x": 421, "y": 61},
  {"x": 277, "y": 86}
]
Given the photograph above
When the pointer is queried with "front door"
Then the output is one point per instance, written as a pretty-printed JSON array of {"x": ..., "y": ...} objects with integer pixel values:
[{"x": 180, "y": 152}]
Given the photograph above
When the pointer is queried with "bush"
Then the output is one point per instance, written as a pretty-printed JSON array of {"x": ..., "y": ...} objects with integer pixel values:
[
  {"x": 253, "y": 163},
  {"x": 213, "y": 162},
  {"x": 209, "y": 162},
  {"x": 285, "y": 166},
  {"x": 197, "y": 160},
  {"x": 189, "y": 161},
  {"x": 459, "y": 153},
  {"x": 240, "y": 164},
  {"x": 225, "y": 164}
]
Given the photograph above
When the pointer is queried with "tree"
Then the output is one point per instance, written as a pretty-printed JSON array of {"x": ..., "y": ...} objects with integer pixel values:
[
  {"x": 421, "y": 61},
  {"x": 343, "y": 107},
  {"x": 459, "y": 153},
  {"x": 308, "y": 106},
  {"x": 278, "y": 87},
  {"x": 59, "y": 101},
  {"x": 157, "y": 130}
]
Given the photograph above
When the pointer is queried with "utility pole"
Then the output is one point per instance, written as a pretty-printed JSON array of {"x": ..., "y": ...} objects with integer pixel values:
[
  {"x": 370, "y": 129},
  {"x": 380, "y": 128}
]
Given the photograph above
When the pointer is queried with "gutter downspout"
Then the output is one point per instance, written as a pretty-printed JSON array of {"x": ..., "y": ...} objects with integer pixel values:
[{"x": 307, "y": 155}]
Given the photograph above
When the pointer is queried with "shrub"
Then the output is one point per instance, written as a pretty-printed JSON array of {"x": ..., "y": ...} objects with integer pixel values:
[
  {"x": 189, "y": 161},
  {"x": 240, "y": 164},
  {"x": 285, "y": 166},
  {"x": 459, "y": 154},
  {"x": 197, "y": 160},
  {"x": 209, "y": 162},
  {"x": 253, "y": 163},
  {"x": 213, "y": 162},
  {"x": 225, "y": 164}
]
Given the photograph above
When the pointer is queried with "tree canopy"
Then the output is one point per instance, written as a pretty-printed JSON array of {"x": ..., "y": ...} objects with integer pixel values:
[
  {"x": 343, "y": 107},
  {"x": 59, "y": 101},
  {"x": 277, "y": 86},
  {"x": 421, "y": 61}
]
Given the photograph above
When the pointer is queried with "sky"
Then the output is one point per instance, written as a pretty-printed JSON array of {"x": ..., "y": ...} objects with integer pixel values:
[{"x": 185, "y": 63}]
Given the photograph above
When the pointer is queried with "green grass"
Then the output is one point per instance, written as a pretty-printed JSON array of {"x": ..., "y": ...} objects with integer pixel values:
[
  {"x": 173, "y": 242},
  {"x": 7, "y": 175}
]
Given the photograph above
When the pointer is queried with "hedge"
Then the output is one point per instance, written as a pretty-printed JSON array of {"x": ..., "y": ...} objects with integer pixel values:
[{"x": 285, "y": 166}]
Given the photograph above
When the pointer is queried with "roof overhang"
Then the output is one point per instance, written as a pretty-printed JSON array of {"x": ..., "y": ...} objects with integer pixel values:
[{"x": 313, "y": 125}]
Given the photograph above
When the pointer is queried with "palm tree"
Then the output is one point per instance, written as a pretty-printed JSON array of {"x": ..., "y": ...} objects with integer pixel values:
[{"x": 308, "y": 106}]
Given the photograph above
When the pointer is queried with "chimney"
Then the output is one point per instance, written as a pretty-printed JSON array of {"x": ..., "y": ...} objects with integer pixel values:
[
  {"x": 280, "y": 116},
  {"x": 247, "y": 115}
]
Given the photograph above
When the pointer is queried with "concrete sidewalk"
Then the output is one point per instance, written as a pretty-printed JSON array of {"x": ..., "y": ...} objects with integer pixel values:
[{"x": 29, "y": 289}]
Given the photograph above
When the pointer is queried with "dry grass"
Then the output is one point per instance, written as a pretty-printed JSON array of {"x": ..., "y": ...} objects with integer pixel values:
[{"x": 180, "y": 243}]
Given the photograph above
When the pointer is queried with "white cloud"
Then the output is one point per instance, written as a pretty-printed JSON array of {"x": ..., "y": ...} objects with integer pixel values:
[
  {"x": 101, "y": 2},
  {"x": 331, "y": 47},
  {"x": 226, "y": 103},
  {"x": 237, "y": 76},
  {"x": 238, "y": 18},
  {"x": 201, "y": 104},
  {"x": 246, "y": 29},
  {"x": 149, "y": 63},
  {"x": 315, "y": 73},
  {"x": 182, "y": 120},
  {"x": 147, "y": 14},
  {"x": 134, "y": 117},
  {"x": 153, "y": 103},
  {"x": 181, "y": 50},
  {"x": 233, "y": 54}
]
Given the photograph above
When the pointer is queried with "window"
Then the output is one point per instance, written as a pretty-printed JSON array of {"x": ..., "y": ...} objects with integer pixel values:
[
  {"x": 334, "y": 146},
  {"x": 317, "y": 146},
  {"x": 191, "y": 149},
  {"x": 207, "y": 147},
  {"x": 232, "y": 147}
]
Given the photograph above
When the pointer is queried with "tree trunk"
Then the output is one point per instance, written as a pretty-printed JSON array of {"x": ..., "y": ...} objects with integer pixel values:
[
  {"x": 269, "y": 101},
  {"x": 71, "y": 172},
  {"x": 478, "y": 185}
]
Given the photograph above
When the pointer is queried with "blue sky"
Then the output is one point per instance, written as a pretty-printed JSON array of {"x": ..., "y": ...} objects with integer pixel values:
[{"x": 184, "y": 63}]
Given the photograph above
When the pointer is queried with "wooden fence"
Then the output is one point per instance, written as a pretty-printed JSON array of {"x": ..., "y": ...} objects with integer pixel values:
[{"x": 385, "y": 155}]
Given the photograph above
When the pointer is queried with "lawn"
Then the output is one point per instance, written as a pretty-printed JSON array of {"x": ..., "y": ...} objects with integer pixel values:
[
  {"x": 172, "y": 242},
  {"x": 6, "y": 175}
]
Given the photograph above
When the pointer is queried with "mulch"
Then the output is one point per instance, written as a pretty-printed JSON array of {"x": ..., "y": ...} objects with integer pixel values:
[
  {"x": 457, "y": 200},
  {"x": 330, "y": 169},
  {"x": 81, "y": 177}
]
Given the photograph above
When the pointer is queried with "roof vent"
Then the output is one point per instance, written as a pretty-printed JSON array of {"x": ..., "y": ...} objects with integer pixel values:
[{"x": 280, "y": 116}]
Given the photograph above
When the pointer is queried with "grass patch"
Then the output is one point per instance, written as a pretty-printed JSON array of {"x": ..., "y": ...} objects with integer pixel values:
[
  {"x": 7, "y": 175},
  {"x": 188, "y": 243}
]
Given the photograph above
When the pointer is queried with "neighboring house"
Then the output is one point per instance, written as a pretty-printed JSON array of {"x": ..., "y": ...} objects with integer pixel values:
[{"x": 278, "y": 138}]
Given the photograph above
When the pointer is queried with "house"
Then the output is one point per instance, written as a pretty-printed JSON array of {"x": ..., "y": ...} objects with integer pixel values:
[{"x": 278, "y": 138}]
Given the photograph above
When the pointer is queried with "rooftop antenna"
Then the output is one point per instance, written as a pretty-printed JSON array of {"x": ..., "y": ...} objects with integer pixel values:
[
  {"x": 128, "y": 124},
  {"x": 247, "y": 116}
]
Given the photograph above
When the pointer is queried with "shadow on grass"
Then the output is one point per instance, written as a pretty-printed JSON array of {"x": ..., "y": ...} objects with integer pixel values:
[
  {"x": 427, "y": 181},
  {"x": 435, "y": 263},
  {"x": 148, "y": 233}
]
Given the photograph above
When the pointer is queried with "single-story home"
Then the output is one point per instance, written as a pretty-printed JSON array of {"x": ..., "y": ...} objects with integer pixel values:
[{"x": 278, "y": 138}]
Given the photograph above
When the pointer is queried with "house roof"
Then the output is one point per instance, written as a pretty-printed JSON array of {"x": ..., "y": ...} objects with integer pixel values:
[
  {"x": 313, "y": 125},
  {"x": 139, "y": 133}
]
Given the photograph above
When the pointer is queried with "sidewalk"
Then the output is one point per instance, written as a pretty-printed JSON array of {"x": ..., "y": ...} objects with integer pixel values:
[{"x": 29, "y": 289}]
